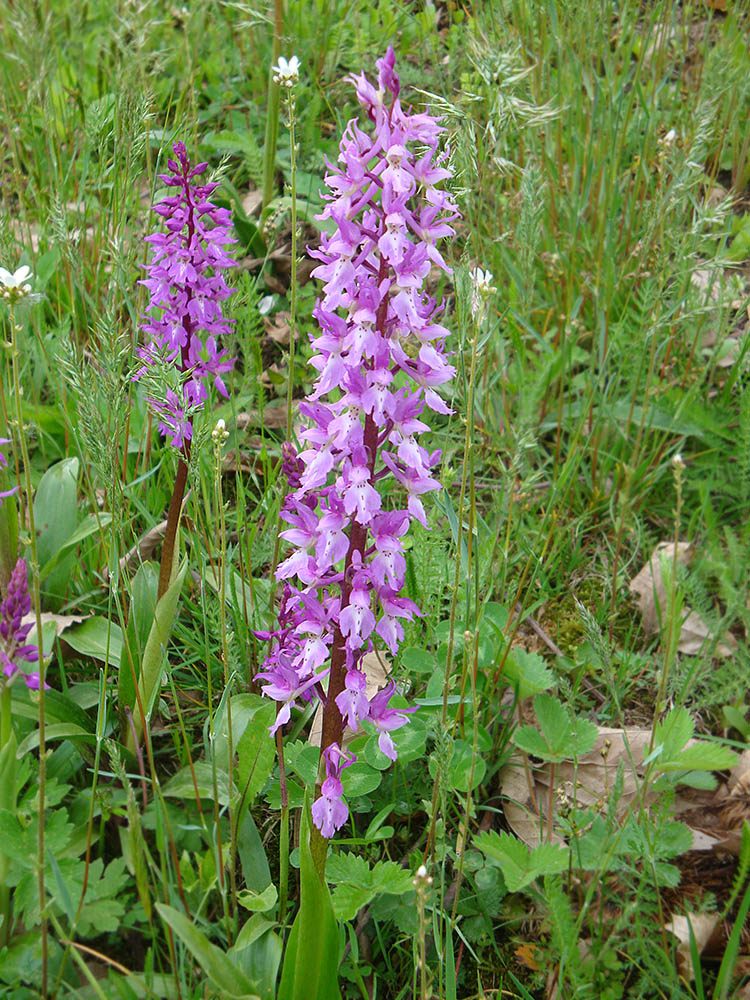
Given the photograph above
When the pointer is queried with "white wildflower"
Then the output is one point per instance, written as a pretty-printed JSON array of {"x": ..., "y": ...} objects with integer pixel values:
[
  {"x": 16, "y": 285},
  {"x": 286, "y": 72},
  {"x": 220, "y": 433},
  {"x": 482, "y": 289}
]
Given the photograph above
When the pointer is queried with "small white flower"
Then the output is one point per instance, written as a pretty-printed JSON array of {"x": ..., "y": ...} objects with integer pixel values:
[
  {"x": 220, "y": 433},
  {"x": 286, "y": 73},
  {"x": 481, "y": 291},
  {"x": 421, "y": 872},
  {"x": 16, "y": 285}
]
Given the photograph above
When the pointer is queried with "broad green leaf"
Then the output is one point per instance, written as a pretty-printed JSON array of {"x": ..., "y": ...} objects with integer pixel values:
[
  {"x": 258, "y": 951},
  {"x": 360, "y": 779},
  {"x": 143, "y": 590},
  {"x": 88, "y": 526},
  {"x": 182, "y": 786},
  {"x": 258, "y": 902},
  {"x": 255, "y": 869},
  {"x": 55, "y": 518},
  {"x": 58, "y": 708},
  {"x": 311, "y": 962},
  {"x": 225, "y": 974},
  {"x": 97, "y": 637},
  {"x": 520, "y": 864},
  {"x": 255, "y": 752},
  {"x": 460, "y": 769},
  {"x": 57, "y": 731},
  {"x": 417, "y": 661}
]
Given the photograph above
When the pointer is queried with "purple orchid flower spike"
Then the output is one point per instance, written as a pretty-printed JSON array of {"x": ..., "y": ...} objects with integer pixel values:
[
  {"x": 358, "y": 480},
  {"x": 186, "y": 289},
  {"x": 14, "y": 650}
]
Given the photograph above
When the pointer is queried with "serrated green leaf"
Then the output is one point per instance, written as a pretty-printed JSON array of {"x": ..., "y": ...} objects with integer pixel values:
[
  {"x": 561, "y": 737},
  {"x": 520, "y": 864},
  {"x": 348, "y": 867},
  {"x": 673, "y": 732},
  {"x": 555, "y": 724},
  {"x": 700, "y": 756},
  {"x": 531, "y": 741},
  {"x": 527, "y": 672},
  {"x": 349, "y": 899}
]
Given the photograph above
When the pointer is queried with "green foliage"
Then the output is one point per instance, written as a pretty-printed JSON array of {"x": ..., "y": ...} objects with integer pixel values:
[
  {"x": 358, "y": 883},
  {"x": 520, "y": 864},
  {"x": 560, "y": 736}
]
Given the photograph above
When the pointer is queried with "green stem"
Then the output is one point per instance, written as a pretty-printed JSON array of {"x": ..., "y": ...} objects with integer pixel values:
[
  {"x": 173, "y": 521},
  {"x": 7, "y": 801},
  {"x": 272, "y": 115},
  {"x": 14, "y": 354},
  {"x": 292, "y": 106},
  {"x": 283, "y": 832}
]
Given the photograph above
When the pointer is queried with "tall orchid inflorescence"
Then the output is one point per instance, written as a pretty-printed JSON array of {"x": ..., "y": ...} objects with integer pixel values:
[
  {"x": 186, "y": 288},
  {"x": 14, "y": 650},
  {"x": 379, "y": 357}
]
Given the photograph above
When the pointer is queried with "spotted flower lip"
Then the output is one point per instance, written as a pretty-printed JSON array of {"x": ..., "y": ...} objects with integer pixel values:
[
  {"x": 378, "y": 362},
  {"x": 184, "y": 319}
]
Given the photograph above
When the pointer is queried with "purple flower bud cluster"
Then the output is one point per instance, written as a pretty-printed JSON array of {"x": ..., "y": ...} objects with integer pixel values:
[
  {"x": 14, "y": 651},
  {"x": 186, "y": 289},
  {"x": 379, "y": 358}
]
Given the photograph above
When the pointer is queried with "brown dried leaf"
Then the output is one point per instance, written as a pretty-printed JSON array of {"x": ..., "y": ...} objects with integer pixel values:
[
  {"x": 252, "y": 202},
  {"x": 274, "y": 417},
  {"x": 277, "y": 327},
  {"x": 649, "y": 586},
  {"x": 704, "y": 926}
]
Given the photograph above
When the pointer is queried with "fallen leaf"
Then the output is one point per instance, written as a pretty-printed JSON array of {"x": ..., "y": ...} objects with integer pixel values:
[
  {"x": 649, "y": 585},
  {"x": 704, "y": 927},
  {"x": 277, "y": 327},
  {"x": 274, "y": 417},
  {"x": 653, "y": 602},
  {"x": 252, "y": 202}
]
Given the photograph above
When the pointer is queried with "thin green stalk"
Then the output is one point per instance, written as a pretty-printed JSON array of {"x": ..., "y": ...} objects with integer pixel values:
[
  {"x": 283, "y": 831},
  {"x": 272, "y": 105},
  {"x": 7, "y": 801},
  {"x": 673, "y": 626},
  {"x": 292, "y": 112},
  {"x": 35, "y": 582},
  {"x": 469, "y": 423},
  {"x": 219, "y": 435}
]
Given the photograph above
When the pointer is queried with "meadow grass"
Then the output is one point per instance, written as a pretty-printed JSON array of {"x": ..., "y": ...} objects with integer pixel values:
[{"x": 602, "y": 164}]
